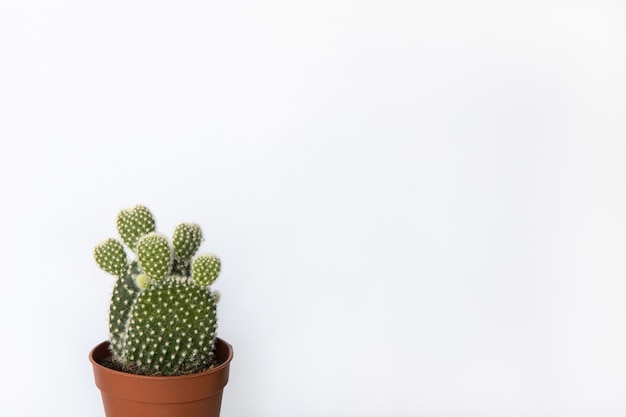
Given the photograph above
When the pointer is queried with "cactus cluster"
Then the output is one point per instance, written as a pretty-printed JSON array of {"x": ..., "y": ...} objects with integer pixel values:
[{"x": 162, "y": 316}]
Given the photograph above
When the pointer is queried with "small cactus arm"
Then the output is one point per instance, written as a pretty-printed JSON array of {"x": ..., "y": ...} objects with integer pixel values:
[
  {"x": 111, "y": 257},
  {"x": 133, "y": 223},
  {"x": 206, "y": 268},
  {"x": 154, "y": 255},
  {"x": 186, "y": 241}
]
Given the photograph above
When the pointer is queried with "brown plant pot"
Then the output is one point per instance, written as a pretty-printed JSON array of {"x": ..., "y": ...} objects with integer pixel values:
[{"x": 194, "y": 395}]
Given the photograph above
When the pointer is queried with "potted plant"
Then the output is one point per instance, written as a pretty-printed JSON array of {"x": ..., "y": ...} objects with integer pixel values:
[{"x": 163, "y": 357}]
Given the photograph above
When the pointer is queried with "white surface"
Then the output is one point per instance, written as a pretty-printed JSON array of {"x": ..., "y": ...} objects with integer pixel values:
[{"x": 420, "y": 206}]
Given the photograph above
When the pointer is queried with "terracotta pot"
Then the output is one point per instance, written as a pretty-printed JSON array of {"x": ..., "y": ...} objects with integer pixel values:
[{"x": 194, "y": 395}]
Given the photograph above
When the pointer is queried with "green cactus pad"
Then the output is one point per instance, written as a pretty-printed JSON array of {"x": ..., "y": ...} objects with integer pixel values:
[
  {"x": 133, "y": 223},
  {"x": 172, "y": 328},
  {"x": 154, "y": 255},
  {"x": 186, "y": 240},
  {"x": 205, "y": 270},
  {"x": 122, "y": 300},
  {"x": 111, "y": 257}
]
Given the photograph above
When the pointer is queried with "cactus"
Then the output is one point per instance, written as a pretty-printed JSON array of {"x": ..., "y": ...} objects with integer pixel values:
[{"x": 162, "y": 316}]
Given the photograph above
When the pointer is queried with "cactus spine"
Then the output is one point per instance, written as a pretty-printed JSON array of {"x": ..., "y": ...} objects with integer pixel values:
[{"x": 162, "y": 316}]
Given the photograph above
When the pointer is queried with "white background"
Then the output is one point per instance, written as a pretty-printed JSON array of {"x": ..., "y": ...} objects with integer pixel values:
[{"x": 419, "y": 206}]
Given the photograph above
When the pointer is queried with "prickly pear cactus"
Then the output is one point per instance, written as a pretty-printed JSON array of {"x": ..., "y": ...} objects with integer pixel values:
[{"x": 162, "y": 316}]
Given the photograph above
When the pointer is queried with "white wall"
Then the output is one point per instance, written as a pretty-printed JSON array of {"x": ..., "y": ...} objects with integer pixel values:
[{"x": 420, "y": 206}]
